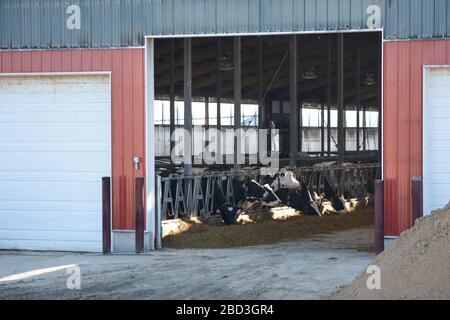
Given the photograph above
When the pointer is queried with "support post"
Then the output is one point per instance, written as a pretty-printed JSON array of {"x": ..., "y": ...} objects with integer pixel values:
[
  {"x": 293, "y": 94},
  {"x": 417, "y": 199},
  {"x": 329, "y": 101},
  {"x": 139, "y": 214},
  {"x": 340, "y": 97},
  {"x": 207, "y": 112},
  {"x": 364, "y": 130},
  {"x": 379, "y": 216},
  {"x": 237, "y": 99},
  {"x": 358, "y": 98},
  {"x": 260, "y": 84},
  {"x": 322, "y": 129},
  {"x": 188, "y": 104},
  {"x": 106, "y": 216},
  {"x": 158, "y": 220},
  {"x": 218, "y": 98},
  {"x": 172, "y": 92}
]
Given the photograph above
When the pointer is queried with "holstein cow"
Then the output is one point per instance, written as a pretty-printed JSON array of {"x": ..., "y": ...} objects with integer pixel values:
[
  {"x": 337, "y": 202},
  {"x": 255, "y": 191},
  {"x": 227, "y": 210}
]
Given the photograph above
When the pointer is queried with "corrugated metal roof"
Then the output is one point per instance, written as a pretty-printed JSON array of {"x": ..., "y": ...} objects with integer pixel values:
[{"x": 123, "y": 23}]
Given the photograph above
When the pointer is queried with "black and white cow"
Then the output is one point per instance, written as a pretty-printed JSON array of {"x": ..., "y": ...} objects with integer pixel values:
[{"x": 228, "y": 211}]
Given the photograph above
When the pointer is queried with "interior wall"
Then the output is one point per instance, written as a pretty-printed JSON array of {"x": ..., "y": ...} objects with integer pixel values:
[
  {"x": 128, "y": 116},
  {"x": 403, "y": 86}
]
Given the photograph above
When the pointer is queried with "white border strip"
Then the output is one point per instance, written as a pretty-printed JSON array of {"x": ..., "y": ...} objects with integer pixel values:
[{"x": 261, "y": 34}]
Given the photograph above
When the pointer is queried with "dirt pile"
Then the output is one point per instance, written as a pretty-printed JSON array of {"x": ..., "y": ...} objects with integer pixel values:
[
  {"x": 194, "y": 234},
  {"x": 416, "y": 266}
]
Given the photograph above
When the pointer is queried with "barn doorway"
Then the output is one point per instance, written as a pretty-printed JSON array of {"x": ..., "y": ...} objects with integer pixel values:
[{"x": 327, "y": 113}]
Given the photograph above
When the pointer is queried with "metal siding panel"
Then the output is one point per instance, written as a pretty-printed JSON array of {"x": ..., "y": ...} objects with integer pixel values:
[
  {"x": 333, "y": 14},
  {"x": 210, "y": 17},
  {"x": 277, "y": 15},
  {"x": 160, "y": 24},
  {"x": 26, "y": 61},
  {"x": 115, "y": 23},
  {"x": 25, "y": 18},
  {"x": 7, "y": 61},
  {"x": 232, "y": 16},
  {"x": 137, "y": 38},
  {"x": 254, "y": 16},
  {"x": 125, "y": 24},
  {"x": 403, "y": 105},
  {"x": 127, "y": 136},
  {"x": 344, "y": 14},
  {"x": 390, "y": 134},
  {"x": 403, "y": 19},
  {"x": 147, "y": 11},
  {"x": 415, "y": 30},
  {"x": 117, "y": 140},
  {"x": 5, "y": 26},
  {"x": 299, "y": 15},
  {"x": 96, "y": 30},
  {"x": 416, "y": 79},
  {"x": 44, "y": 27},
  {"x": 16, "y": 62},
  {"x": 66, "y": 60},
  {"x": 440, "y": 18},
  {"x": 310, "y": 14},
  {"x": 321, "y": 14},
  {"x": 427, "y": 18},
  {"x": 358, "y": 12},
  {"x": 15, "y": 25},
  {"x": 447, "y": 18},
  {"x": 56, "y": 61},
  {"x": 178, "y": 19},
  {"x": 392, "y": 19},
  {"x": 36, "y": 61},
  {"x": 56, "y": 24}
]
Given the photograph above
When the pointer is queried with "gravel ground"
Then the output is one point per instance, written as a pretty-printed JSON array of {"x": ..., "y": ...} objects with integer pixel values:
[{"x": 312, "y": 268}]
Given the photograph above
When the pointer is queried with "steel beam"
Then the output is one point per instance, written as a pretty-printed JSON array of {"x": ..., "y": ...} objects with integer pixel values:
[
  {"x": 293, "y": 93},
  {"x": 340, "y": 97},
  {"x": 237, "y": 98},
  {"x": 259, "y": 75},
  {"x": 358, "y": 98},
  {"x": 188, "y": 104},
  {"x": 172, "y": 92},
  {"x": 329, "y": 100}
]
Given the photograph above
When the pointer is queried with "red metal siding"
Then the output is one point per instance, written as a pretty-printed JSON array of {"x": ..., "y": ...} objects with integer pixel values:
[
  {"x": 403, "y": 68},
  {"x": 128, "y": 131}
]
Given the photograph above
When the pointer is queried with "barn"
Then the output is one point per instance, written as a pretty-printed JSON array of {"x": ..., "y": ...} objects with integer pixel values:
[{"x": 94, "y": 89}]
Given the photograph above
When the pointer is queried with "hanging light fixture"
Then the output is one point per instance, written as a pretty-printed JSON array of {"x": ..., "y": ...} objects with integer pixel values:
[
  {"x": 309, "y": 74},
  {"x": 225, "y": 65},
  {"x": 369, "y": 80}
]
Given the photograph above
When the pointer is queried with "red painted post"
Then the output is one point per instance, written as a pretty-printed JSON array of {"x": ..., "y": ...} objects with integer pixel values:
[
  {"x": 417, "y": 199},
  {"x": 139, "y": 215},
  {"x": 106, "y": 216},
  {"x": 379, "y": 216}
]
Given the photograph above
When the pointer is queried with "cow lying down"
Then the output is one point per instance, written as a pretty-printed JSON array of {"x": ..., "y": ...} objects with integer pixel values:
[{"x": 281, "y": 189}]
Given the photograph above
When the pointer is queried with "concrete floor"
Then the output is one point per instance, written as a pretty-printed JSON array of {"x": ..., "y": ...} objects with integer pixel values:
[{"x": 312, "y": 268}]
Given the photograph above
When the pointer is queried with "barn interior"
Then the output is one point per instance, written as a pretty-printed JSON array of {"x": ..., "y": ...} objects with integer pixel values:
[{"x": 336, "y": 90}]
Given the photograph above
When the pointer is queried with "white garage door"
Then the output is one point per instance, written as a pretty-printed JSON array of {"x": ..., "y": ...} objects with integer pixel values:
[
  {"x": 55, "y": 146},
  {"x": 436, "y": 138}
]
